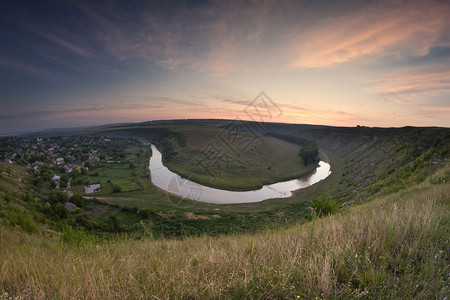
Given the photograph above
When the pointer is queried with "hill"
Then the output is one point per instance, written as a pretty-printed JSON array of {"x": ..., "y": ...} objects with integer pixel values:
[
  {"x": 375, "y": 228},
  {"x": 394, "y": 247}
]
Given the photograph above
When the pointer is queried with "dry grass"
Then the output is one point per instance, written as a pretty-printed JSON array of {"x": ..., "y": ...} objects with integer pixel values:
[{"x": 385, "y": 249}]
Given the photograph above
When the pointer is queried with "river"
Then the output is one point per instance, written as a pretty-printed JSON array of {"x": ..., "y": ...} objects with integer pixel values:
[{"x": 173, "y": 183}]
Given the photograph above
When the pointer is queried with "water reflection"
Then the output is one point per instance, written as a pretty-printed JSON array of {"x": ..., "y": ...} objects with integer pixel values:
[{"x": 173, "y": 183}]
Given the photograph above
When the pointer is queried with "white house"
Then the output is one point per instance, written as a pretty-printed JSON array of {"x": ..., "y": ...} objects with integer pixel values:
[{"x": 56, "y": 179}]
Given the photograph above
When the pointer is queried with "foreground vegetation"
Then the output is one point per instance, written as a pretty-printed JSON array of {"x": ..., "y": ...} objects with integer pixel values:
[{"x": 395, "y": 247}]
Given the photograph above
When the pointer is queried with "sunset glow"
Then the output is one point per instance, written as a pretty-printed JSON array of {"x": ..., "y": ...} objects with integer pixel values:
[{"x": 79, "y": 63}]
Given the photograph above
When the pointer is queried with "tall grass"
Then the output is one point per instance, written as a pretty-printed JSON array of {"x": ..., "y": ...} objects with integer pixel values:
[{"x": 392, "y": 248}]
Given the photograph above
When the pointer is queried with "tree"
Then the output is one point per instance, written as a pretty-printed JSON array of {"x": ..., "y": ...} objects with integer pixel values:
[
  {"x": 309, "y": 154},
  {"x": 60, "y": 210},
  {"x": 78, "y": 200}
]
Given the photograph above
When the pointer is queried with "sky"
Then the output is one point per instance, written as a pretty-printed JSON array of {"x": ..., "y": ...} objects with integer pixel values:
[{"x": 340, "y": 63}]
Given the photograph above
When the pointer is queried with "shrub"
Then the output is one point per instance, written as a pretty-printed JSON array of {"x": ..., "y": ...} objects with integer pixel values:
[
  {"x": 78, "y": 200},
  {"x": 60, "y": 210},
  {"x": 324, "y": 205},
  {"x": 145, "y": 213},
  {"x": 116, "y": 188}
]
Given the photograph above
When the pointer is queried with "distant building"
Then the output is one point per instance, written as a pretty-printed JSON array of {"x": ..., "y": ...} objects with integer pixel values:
[
  {"x": 69, "y": 206},
  {"x": 59, "y": 161},
  {"x": 7, "y": 160},
  {"x": 56, "y": 179}
]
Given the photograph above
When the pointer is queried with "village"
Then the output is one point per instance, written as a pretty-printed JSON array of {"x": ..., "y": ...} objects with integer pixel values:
[{"x": 57, "y": 160}]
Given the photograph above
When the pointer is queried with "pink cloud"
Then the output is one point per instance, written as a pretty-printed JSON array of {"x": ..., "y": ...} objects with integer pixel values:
[
  {"x": 409, "y": 28},
  {"x": 412, "y": 81}
]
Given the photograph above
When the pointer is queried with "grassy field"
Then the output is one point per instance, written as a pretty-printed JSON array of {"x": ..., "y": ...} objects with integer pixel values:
[
  {"x": 131, "y": 175},
  {"x": 234, "y": 161},
  {"x": 395, "y": 247}
]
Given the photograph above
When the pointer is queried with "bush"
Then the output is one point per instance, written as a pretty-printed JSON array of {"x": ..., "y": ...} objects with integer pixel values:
[
  {"x": 78, "y": 200},
  {"x": 112, "y": 224},
  {"x": 116, "y": 188},
  {"x": 145, "y": 213},
  {"x": 324, "y": 205},
  {"x": 20, "y": 218},
  {"x": 60, "y": 210}
]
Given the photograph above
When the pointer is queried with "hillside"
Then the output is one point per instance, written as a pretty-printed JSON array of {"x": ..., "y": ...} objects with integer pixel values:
[
  {"x": 393, "y": 247},
  {"x": 387, "y": 238},
  {"x": 365, "y": 163},
  {"x": 373, "y": 161}
]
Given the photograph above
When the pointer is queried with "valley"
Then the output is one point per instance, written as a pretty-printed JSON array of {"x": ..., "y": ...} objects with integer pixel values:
[{"x": 384, "y": 204}]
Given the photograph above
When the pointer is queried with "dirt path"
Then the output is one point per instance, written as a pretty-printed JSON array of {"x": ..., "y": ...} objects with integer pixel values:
[
  {"x": 111, "y": 198},
  {"x": 69, "y": 188}
]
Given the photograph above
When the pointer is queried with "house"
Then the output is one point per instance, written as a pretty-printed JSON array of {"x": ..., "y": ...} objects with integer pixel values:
[
  {"x": 68, "y": 169},
  {"x": 59, "y": 161},
  {"x": 56, "y": 179},
  {"x": 70, "y": 206},
  {"x": 7, "y": 160}
]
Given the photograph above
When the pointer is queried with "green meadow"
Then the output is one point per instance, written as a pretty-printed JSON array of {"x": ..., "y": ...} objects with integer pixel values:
[{"x": 235, "y": 161}]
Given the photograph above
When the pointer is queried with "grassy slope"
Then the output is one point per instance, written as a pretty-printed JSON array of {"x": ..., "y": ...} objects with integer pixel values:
[
  {"x": 382, "y": 160},
  {"x": 9, "y": 177},
  {"x": 13, "y": 211},
  {"x": 389, "y": 248}
]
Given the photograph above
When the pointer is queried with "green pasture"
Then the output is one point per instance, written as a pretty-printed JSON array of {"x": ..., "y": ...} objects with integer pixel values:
[{"x": 235, "y": 161}]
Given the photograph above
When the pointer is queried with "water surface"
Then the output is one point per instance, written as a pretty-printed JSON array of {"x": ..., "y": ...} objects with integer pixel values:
[{"x": 173, "y": 183}]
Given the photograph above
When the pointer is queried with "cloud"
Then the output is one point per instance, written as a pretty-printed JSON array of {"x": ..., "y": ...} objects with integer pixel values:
[
  {"x": 216, "y": 37},
  {"x": 295, "y": 113},
  {"x": 60, "y": 37},
  {"x": 379, "y": 29},
  {"x": 416, "y": 94},
  {"x": 68, "y": 45},
  {"x": 30, "y": 69},
  {"x": 412, "y": 81},
  {"x": 126, "y": 104},
  {"x": 238, "y": 102}
]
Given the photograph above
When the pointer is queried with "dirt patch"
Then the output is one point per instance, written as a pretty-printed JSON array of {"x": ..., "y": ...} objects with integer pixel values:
[
  {"x": 280, "y": 213},
  {"x": 192, "y": 216},
  {"x": 99, "y": 209},
  {"x": 170, "y": 214}
]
